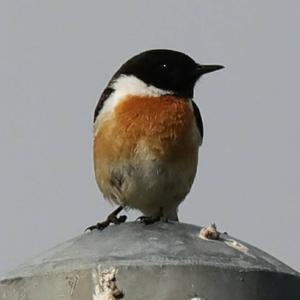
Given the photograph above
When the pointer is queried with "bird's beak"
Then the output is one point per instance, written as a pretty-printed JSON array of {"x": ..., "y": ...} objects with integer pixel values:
[{"x": 203, "y": 69}]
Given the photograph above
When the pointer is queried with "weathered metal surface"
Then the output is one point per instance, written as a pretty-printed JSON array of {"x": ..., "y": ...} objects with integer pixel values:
[{"x": 157, "y": 262}]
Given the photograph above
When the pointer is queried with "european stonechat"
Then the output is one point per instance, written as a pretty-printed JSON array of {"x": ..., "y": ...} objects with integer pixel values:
[{"x": 147, "y": 132}]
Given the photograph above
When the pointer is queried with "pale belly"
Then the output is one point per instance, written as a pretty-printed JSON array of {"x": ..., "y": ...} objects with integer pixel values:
[{"x": 147, "y": 183}]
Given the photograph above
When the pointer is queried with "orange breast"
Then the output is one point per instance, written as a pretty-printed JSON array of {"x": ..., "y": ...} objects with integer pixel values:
[{"x": 162, "y": 123}]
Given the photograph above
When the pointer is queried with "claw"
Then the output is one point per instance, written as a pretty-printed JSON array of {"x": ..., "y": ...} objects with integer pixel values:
[
  {"x": 148, "y": 220},
  {"x": 111, "y": 219},
  {"x": 98, "y": 226}
]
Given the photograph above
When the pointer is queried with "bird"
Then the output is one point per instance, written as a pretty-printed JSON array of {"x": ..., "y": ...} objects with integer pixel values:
[{"x": 147, "y": 133}]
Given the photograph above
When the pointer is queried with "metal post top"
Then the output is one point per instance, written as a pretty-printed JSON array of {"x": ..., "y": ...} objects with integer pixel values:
[{"x": 135, "y": 244}]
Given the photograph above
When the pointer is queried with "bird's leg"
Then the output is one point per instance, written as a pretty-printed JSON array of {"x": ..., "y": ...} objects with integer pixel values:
[
  {"x": 111, "y": 219},
  {"x": 147, "y": 220}
]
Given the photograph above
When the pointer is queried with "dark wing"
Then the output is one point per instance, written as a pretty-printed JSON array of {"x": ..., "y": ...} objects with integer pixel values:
[
  {"x": 198, "y": 118},
  {"x": 106, "y": 93}
]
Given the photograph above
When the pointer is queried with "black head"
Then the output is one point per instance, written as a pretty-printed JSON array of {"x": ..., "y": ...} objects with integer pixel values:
[{"x": 167, "y": 69}]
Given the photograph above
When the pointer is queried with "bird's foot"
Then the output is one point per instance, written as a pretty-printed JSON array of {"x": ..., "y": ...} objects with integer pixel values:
[
  {"x": 147, "y": 220},
  {"x": 111, "y": 219}
]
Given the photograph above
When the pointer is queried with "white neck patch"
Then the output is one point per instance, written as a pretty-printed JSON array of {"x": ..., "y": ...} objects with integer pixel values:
[
  {"x": 124, "y": 86},
  {"x": 131, "y": 85}
]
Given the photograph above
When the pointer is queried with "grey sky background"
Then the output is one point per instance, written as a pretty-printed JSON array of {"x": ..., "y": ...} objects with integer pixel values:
[{"x": 57, "y": 56}]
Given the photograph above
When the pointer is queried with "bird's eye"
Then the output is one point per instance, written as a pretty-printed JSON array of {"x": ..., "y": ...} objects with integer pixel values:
[{"x": 163, "y": 66}]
